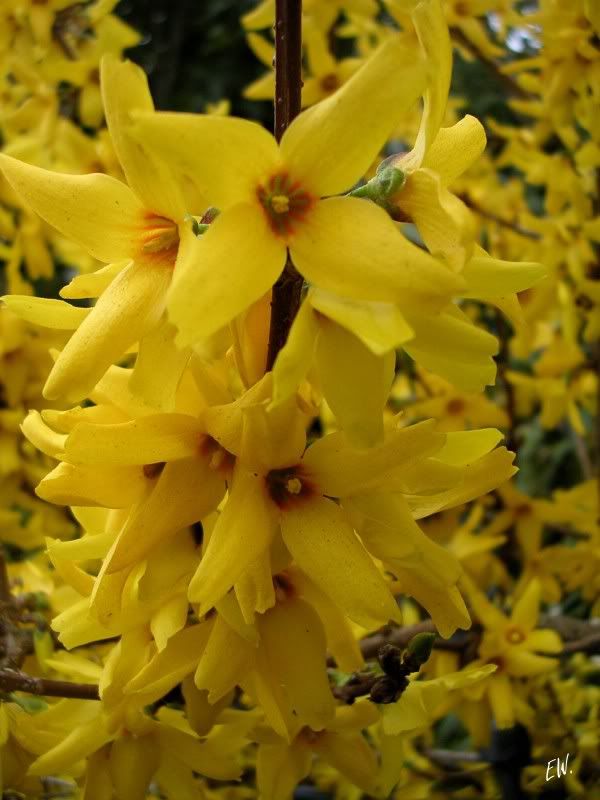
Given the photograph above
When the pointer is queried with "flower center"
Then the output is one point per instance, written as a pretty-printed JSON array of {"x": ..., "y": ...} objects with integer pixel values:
[
  {"x": 160, "y": 240},
  {"x": 455, "y": 406},
  {"x": 329, "y": 83},
  {"x": 285, "y": 203},
  {"x": 288, "y": 486},
  {"x": 515, "y": 635}
]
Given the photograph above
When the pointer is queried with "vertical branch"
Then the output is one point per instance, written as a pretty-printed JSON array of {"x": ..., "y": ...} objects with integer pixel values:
[{"x": 285, "y": 299}]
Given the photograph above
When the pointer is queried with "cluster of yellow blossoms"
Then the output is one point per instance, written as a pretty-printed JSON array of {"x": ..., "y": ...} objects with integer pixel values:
[{"x": 237, "y": 529}]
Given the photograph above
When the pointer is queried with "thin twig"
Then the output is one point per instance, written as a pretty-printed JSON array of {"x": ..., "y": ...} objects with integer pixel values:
[
  {"x": 285, "y": 298},
  {"x": 17, "y": 681}
]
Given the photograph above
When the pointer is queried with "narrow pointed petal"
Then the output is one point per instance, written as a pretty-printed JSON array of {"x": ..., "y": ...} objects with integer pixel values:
[
  {"x": 527, "y": 608},
  {"x": 295, "y": 357},
  {"x": 329, "y": 146},
  {"x": 185, "y": 492},
  {"x": 147, "y": 440},
  {"x": 280, "y": 768},
  {"x": 46, "y": 312},
  {"x": 242, "y": 533},
  {"x": 355, "y": 382},
  {"x": 293, "y": 638},
  {"x": 340, "y": 470},
  {"x": 132, "y": 305},
  {"x": 96, "y": 211},
  {"x": 325, "y": 547},
  {"x": 125, "y": 90},
  {"x": 68, "y": 485},
  {"x": 430, "y": 23},
  {"x": 226, "y": 659}
]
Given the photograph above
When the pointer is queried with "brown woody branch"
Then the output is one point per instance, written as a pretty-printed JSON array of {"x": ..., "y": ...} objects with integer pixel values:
[
  {"x": 286, "y": 294},
  {"x": 17, "y": 681}
]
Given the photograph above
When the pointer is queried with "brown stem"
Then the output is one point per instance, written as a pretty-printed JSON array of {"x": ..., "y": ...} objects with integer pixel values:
[
  {"x": 285, "y": 298},
  {"x": 16, "y": 681}
]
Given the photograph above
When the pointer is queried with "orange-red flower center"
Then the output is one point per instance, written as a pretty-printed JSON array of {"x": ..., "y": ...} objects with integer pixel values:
[
  {"x": 285, "y": 203},
  {"x": 288, "y": 487},
  {"x": 159, "y": 240}
]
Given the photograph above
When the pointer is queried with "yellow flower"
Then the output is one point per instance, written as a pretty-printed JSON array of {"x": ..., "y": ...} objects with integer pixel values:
[
  {"x": 272, "y": 202},
  {"x": 513, "y": 644},
  {"x": 139, "y": 230}
]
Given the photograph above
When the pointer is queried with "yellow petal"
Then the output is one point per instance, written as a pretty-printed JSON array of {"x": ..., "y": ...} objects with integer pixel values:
[
  {"x": 351, "y": 247},
  {"x": 430, "y": 23},
  {"x": 280, "y": 768},
  {"x": 169, "y": 619},
  {"x": 479, "y": 478},
  {"x": 380, "y": 326},
  {"x": 329, "y": 146},
  {"x": 130, "y": 306},
  {"x": 92, "y": 284},
  {"x": 185, "y": 492},
  {"x": 46, "y": 312},
  {"x": 545, "y": 640},
  {"x": 491, "y": 277},
  {"x": 219, "y": 275},
  {"x": 226, "y": 659},
  {"x": 464, "y": 447},
  {"x": 355, "y": 382},
  {"x": 132, "y": 763},
  {"x": 204, "y": 756},
  {"x": 77, "y": 744},
  {"x": 444, "y": 222},
  {"x": 41, "y": 436},
  {"x": 96, "y": 211},
  {"x": 295, "y": 357},
  {"x": 92, "y": 486},
  {"x": 341, "y": 641},
  {"x": 350, "y": 755},
  {"x": 527, "y": 608},
  {"x": 294, "y": 645},
  {"x": 125, "y": 90},
  {"x": 148, "y": 440},
  {"x": 523, "y": 664},
  {"x": 172, "y": 664},
  {"x": 456, "y": 148},
  {"x": 226, "y": 157},
  {"x": 157, "y": 388},
  {"x": 450, "y": 345},
  {"x": 325, "y": 547},
  {"x": 340, "y": 470},
  {"x": 243, "y": 532},
  {"x": 500, "y": 695}
]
